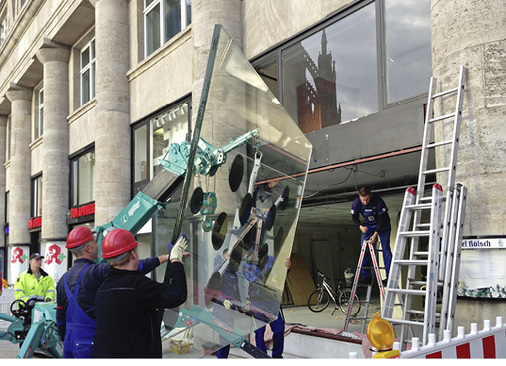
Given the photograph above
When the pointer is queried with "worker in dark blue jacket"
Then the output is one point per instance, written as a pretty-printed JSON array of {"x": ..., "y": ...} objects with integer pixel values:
[
  {"x": 376, "y": 224},
  {"x": 127, "y": 302},
  {"x": 75, "y": 312}
]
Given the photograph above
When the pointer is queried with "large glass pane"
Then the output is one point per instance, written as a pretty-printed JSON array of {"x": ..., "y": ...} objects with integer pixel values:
[
  {"x": 172, "y": 18},
  {"x": 242, "y": 209},
  {"x": 152, "y": 24},
  {"x": 331, "y": 76},
  {"x": 408, "y": 49}
]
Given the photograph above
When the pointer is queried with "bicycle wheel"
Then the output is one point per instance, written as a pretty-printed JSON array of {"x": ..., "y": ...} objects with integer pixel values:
[
  {"x": 344, "y": 300},
  {"x": 318, "y": 301}
]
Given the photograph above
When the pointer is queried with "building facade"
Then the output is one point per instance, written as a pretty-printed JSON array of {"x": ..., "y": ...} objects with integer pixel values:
[{"x": 93, "y": 91}]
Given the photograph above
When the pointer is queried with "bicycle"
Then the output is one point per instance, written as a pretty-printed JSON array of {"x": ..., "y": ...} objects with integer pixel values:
[{"x": 320, "y": 299}]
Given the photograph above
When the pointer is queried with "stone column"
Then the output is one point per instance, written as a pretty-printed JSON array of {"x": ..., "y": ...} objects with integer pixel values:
[
  {"x": 55, "y": 187},
  {"x": 473, "y": 38},
  {"x": 472, "y": 33},
  {"x": 205, "y": 15},
  {"x": 112, "y": 141},
  {"x": 3, "y": 125},
  {"x": 55, "y": 165},
  {"x": 19, "y": 170}
]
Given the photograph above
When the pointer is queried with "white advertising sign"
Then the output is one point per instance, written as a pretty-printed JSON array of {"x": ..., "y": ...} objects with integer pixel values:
[
  {"x": 55, "y": 259},
  {"x": 482, "y": 270},
  {"x": 496, "y": 243},
  {"x": 18, "y": 261}
]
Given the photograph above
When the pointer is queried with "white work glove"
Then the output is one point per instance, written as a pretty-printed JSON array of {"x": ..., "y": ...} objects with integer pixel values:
[
  {"x": 178, "y": 250},
  {"x": 227, "y": 304}
]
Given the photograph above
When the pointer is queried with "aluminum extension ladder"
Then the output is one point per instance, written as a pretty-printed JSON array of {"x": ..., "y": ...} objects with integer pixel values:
[
  {"x": 443, "y": 255},
  {"x": 445, "y": 124},
  {"x": 415, "y": 284},
  {"x": 365, "y": 246}
]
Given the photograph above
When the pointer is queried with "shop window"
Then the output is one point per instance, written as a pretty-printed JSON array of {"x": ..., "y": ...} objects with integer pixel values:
[
  {"x": 327, "y": 79},
  {"x": 36, "y": 206},
  {"x": 87, "y": 72},
  {"x": 83, "y": 178},
  {"x": 332, "y": 74},
  {"x": 152, "y": 138},
  {"x": 163, "y": 19}
]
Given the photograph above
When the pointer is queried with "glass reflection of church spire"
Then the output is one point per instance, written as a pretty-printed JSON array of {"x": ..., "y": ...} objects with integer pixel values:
[{"x": 317, "y": 103}]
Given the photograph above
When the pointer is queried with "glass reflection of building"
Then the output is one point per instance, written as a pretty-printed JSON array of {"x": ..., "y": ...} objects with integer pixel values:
[{"x": 316, "y": 100}]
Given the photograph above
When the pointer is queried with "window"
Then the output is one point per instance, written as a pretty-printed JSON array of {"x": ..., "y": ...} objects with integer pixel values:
[
  {"x": 87, "y": 72},
  {"x": 36, "y": 206},
  {"x": 38, "y": 127},
  {"x": 8, "y": 139},
  {"x": 163, "y": 19},
  {"x": 152, "y": 139},
  {"x": 327, "y": 79},
  {"x": 408, "y": 50},
  {"x": 7, "y": 203},
  {"x": 82, "y": 170},
  {"x": 333, "y": 74},
  {"x": 3, "y": 26},
  {"x": 19, "y": 6}
]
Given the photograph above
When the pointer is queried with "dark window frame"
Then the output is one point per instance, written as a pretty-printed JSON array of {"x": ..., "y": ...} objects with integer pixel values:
[
  {"x": 72, "y": 158},
  {"x": 144, "y": 122}
]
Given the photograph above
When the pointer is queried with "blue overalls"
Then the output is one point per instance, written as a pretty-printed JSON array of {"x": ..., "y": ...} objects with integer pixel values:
[
  {"x": 371, "y": 213},
  {"x": 80, "y": 327}
]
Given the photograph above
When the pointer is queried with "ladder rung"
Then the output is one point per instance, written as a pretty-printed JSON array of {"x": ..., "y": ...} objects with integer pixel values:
[
  {"x": 429, "y": 198},
  {"x": 360, "y": 301},
  {"x": 408, "y": 291},
  {"x": 423, "y": 283},
  {"x": 415, "y": 312},
  {"x": 421, "y": 253},
  {"x": 426, "y": 225},
  {"x": 439, "y": 170},
  {"x": 412, "y": 234},
  {"x": 437, "y": 144},
  {"x": 411, "y": 262},
  {"x": 446, "y": 92},
  {"x": 446, "y": 116},
  {"x": 407, "y": 322},
  {"x": 418, "y": 206}
]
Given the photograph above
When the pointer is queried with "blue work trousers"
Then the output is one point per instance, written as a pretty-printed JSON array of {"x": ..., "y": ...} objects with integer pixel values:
[
  {"x": 278, "y": 337},
  {"x": 80, "y": 331},
  {"x": 384, "y": 237}
]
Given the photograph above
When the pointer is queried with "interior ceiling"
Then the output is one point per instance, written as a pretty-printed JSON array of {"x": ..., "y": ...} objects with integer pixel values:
[{"x": 329, "y": 193}]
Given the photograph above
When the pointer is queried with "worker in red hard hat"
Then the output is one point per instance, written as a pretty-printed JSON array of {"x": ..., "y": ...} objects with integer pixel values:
[
  {"x": 127, "y": 301},
  {"x": 75, "y": 312}
]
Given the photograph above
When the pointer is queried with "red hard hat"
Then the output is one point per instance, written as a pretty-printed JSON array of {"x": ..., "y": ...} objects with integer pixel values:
[
  {"x": 117, "y": 242},
  {"x": 79, "y": 236}
]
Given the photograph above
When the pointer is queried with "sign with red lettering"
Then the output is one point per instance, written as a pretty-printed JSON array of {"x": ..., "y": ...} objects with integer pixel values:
[
  {"x": 82, "y": 211},
  {"x": 35, "y": 222}
]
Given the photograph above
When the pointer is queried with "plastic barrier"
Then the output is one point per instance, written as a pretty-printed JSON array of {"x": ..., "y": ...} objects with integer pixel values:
[{"x": 490, "y": 342}]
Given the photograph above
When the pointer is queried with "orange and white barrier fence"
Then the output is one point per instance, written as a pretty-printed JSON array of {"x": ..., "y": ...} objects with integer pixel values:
[{"x": 490, "y": 342}]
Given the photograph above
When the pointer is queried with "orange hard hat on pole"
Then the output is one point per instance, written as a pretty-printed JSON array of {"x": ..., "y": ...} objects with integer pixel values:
[
  {"x": 79, "y": 236},
  {"x": 117, "y": 242}
]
